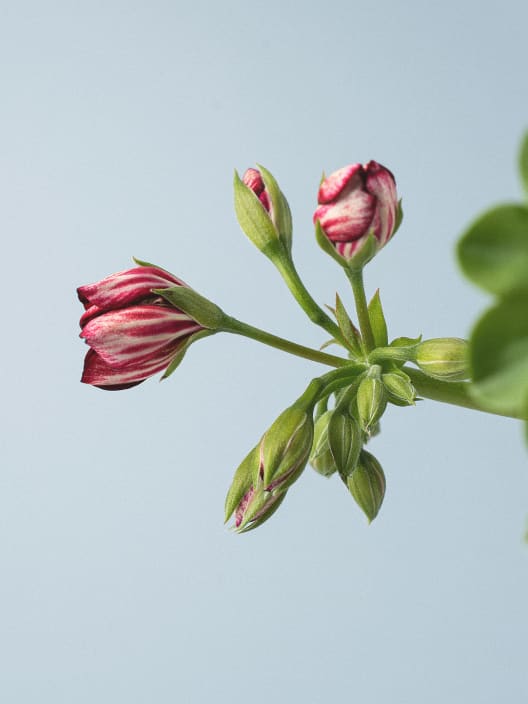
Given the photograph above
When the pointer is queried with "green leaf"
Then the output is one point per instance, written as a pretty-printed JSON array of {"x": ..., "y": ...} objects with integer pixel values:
[
  {"x": 350, "y": 332},
  {"x": 523, "y": 162},
  {"x": 377, "y": 321},
  {"x": 499, "y": 355},
  {"x": 326, "y": 245},
  {"x": 493, "y": 252}
]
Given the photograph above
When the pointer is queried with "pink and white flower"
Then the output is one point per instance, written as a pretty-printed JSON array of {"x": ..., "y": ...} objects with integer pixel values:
[
  {"x": 132, "y": 332},
  {"x": 355, "y": 201}
]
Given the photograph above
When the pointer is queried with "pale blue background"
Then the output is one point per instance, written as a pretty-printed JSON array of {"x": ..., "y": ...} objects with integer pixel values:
[{"x": 120, "y": 125}]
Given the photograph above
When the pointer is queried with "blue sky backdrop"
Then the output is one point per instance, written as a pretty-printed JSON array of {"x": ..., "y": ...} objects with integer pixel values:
[{"x": 120, "y": 126}]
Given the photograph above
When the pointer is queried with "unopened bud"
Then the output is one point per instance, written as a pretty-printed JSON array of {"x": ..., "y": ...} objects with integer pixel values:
[
  {"x": 344, "y": 439},
  {"x": 445, "y": 358},
  {"x": 367, "y": 485},
  {"x": 285, "y": 447},
  {"x": 399, "y": 388},
  {"x": 321, "y": 457},
  {"x": 371, "y": 399}
]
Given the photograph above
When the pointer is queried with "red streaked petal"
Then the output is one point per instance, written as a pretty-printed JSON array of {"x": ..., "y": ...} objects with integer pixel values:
[
  {"x": 333, "y": 185},
  {"x": 98, "y": 373},
  {"x": 125, "y": 287},
  {"x": 380, "y": 182},
  {"x": 131, "y": 336},
  {"x": 348, "y": 218}
]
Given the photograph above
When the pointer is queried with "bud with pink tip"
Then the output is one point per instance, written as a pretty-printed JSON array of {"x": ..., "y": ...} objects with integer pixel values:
[{"x": 358, "y": 212}]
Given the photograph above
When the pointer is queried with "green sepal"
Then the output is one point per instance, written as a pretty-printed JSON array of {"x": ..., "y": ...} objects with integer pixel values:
[
  {"x": 399, "y": 218},
  {"x": 321, "y": 458},
  {"x": 351, "y": 334},
  {"x": 140, "y": 262},
  {"x": 199, "y": 308},
  {"x": 242, "y": 481},
  {"x": 344, "y": 440},
  {"x": 493, "y": 252},
  {"x": 377, "y": 321},
  {"x": 367, "y": 485},
  {"x": 326, "y": 245},
  {"x": 523, "y": 162},
  {"x": 281, "y": 210},
  {"x": 499, "y": 355},
  {"x": 364, "y": 254},
  {"x": 253, "y": 218},
  {"x": 406, "y": 341},
  {"x": 285, "y": 447},
  {"x": 250, "y": 524},
  {"x": 182, "y": 350}
]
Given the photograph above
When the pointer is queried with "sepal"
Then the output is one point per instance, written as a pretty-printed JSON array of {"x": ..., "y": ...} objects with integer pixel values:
[
  {"x": 321, "y": 458},
  {"x": 371, "y": 399},
  {"x": 206, "y": 313}
]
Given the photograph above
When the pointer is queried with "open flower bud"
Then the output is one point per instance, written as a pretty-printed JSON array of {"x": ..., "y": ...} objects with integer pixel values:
[
  {"x": 355, "y": 202},
  {"x": 445, "y": 358},
  {"x": 262, "y": 210},
  {"x": 133, "y": 333},
  {"x": 399, "y": 388},
  {"x": 262, "y": 479},
  {"x": 247, "y": 498},
  {"x": 367, "y": 485},
  {"x": 321, "y": 457},
  {"x": 371, "y": 399}
]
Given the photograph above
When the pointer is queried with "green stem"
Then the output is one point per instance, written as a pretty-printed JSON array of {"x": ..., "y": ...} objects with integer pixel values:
[
  {"x": 356, "y": 279},
  {"x": 303, "y": 297},
  {"x": 456, "y": 393},
  {"x": 239, "y": 328}
]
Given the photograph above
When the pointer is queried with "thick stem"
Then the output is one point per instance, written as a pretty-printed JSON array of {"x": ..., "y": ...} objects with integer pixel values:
[
  {"x": 356, "y": 279},
  {"x": 456, "y": 393},
  {"x": 303, "y": 297},
  {"x": 239, "y": 328}
]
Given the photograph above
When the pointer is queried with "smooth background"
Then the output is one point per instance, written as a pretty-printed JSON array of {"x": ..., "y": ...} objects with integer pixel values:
[{"x": 120, "y": 125}]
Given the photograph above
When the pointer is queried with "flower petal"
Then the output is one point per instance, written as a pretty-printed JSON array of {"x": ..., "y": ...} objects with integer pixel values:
[
  {"x": 347, "y": 218},
  {"x": 332, "y": 186},
  {"x": 98, "y": 373},
  {"x": 138, "y": 334},
  {"x": 126, "y": 287},
  {"x": 381, "y": 183}
]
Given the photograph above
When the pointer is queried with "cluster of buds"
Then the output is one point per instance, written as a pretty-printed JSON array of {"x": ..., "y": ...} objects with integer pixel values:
[{"x": 141, "y": 321}]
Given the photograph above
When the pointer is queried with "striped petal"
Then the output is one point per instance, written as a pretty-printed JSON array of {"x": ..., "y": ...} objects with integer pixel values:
[
  {"x": 126, "y": 287},
  {"x": 349, "y": 177},
  {"x": 381, "y": 184},
  {"x": 98, "y": 373},
  {"x": 138, "y": 335},
  {"x": 349, "y": 217}
]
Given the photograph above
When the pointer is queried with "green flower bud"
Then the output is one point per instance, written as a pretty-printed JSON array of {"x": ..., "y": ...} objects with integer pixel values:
[
  {"x": 321, "y": 457},
  {"x": 445, "y": 358},
  {"x": 367, "y": 485},
  {"x": 371, "y": 399},
  {"x": 344, "y": 440},
  {"x": 263, "y": 211},
  {"x": 285, "y": 447},
  {"x": 399, "y": 389}
]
